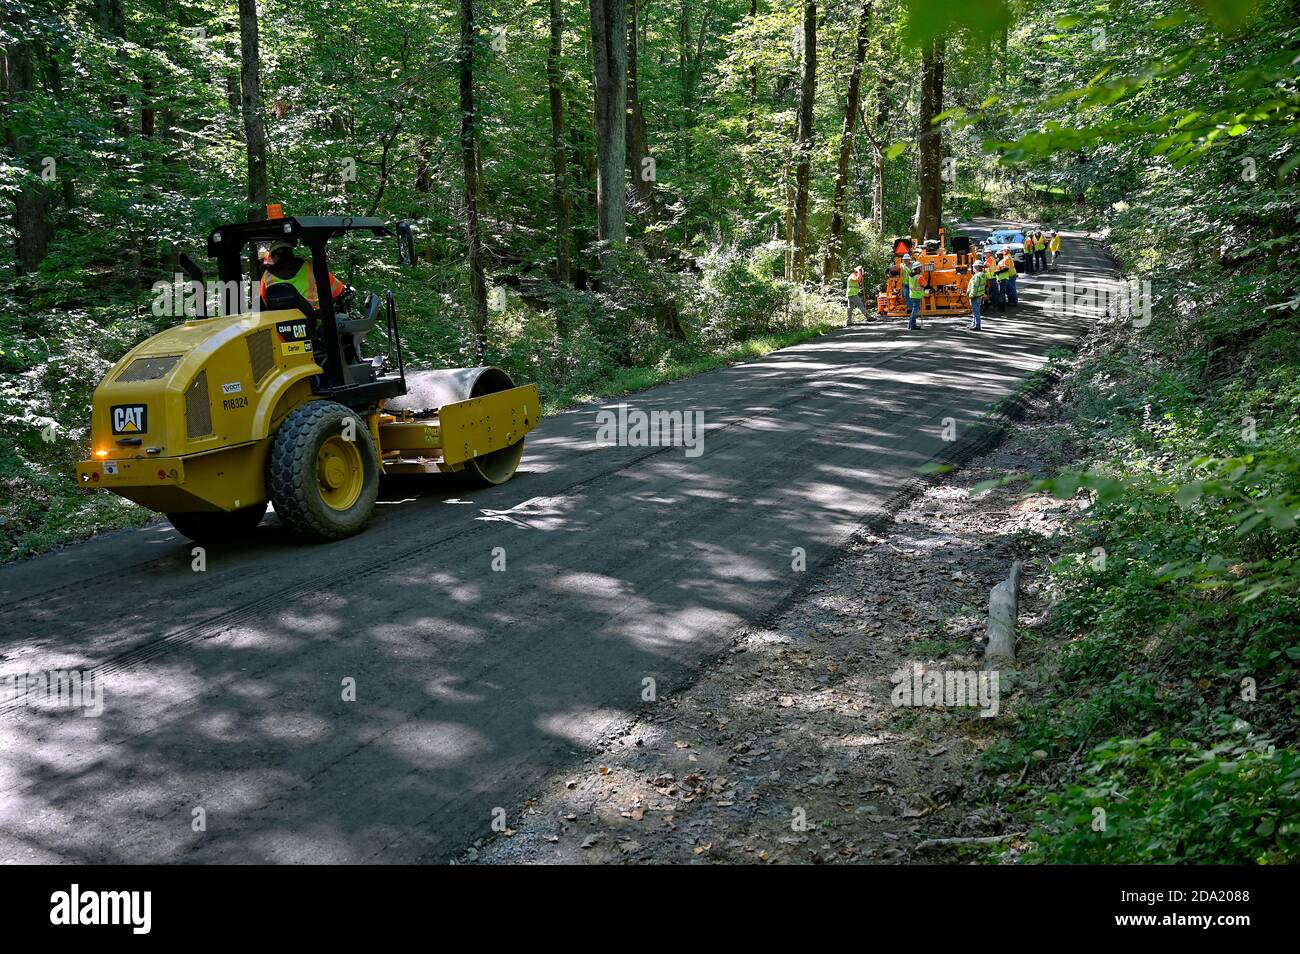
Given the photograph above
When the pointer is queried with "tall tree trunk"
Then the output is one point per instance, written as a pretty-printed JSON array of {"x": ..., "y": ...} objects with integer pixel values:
[
  {"x": 753, "y": 80},
  {"x": 469, "y": 155},
  {"x": 148, "y": 122},
  {"x": 424, "y": 166},
  {"x": 638, "y": 149},
  {"x": 33, "y": 228},
  {"x": 930, "y": 186},
  {"x": 789, "y": 227},
  {"x": 580, "y": 126},
  {"x": 148, "y": 109},
  {"x": 846, "y": 145},
  {"x": 884, "y": 84},
  {"x": 804, "y": 144},
  {"x": 54, "y": 81},
  {"x": 559, "y": 169},
  {"x": 232, "y": 95},
  {"x": 250, "y": 103},
  {"x": 609, "y": 58},
  {"x": 877, "y": 187},
  {"x": 683, "y": 46},
  {"x": 112, "y": 24},
  {"x": 642, "y": 168},
  {"x": 690, "y": 64},
  {"x": 166, "y": 118}
]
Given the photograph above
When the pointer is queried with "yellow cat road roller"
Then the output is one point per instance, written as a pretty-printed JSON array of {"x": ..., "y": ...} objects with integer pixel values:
[{"x": 275, "y": 402}]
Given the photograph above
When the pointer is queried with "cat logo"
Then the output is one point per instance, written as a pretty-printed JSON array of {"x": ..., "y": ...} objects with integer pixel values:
[
  {"x": 293, "y": 337},
  {"x": 129, "y": 418}
]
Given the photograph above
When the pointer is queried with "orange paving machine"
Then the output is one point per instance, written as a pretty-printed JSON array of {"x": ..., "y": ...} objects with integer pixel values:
[{"x": 943, "y": 272}]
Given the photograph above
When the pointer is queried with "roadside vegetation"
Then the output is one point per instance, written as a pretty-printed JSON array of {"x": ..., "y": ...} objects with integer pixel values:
[
  {"x": 1163, "y": 726},
  {"x": 1162, "y": 722}
]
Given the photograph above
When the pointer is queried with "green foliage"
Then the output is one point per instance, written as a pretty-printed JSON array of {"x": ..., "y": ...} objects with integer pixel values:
[
  {"x": 980, "y": 19},
  {"x": 737, "y": 298},
  {"x": 1176, "y": 604},
  {"x": 1153, "y": 800}
]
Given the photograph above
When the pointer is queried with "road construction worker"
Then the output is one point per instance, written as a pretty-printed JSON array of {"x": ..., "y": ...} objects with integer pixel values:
[
  {"x": 916, "y": 294},
  {"x": 1007, "y": 268},
  {"x": 285, "y": 266},
  {"x": 994, "y": 283},
  {"x": 998, "y": 275},
  {"x": 904, "y": 269},
  {"x": 1040, "y": 252},
  {"x": 975, "y": 290},
  {"x": 854, "y": 295},
  {"x": 1054, "y": 247}
]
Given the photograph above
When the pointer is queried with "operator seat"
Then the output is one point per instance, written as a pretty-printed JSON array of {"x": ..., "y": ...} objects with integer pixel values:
[
  {"x": 353, "y": 332},
  {"x": 284, "y": 295}
]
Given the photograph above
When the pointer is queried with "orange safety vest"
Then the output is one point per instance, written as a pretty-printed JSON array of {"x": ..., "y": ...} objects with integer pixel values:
[{"x": 305, "y": 282}]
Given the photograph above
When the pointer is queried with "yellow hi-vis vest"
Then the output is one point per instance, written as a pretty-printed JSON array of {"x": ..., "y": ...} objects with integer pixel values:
[
  {"x": 914, "y": 287},
  {"x": 305, "y": 282}
]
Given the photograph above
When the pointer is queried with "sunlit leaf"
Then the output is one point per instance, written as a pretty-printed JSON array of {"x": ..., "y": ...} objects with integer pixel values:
[{"x": 1230, "y": 16}]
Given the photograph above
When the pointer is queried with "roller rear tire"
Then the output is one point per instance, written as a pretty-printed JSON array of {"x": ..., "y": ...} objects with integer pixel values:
[{"x": 322, "y": 472}]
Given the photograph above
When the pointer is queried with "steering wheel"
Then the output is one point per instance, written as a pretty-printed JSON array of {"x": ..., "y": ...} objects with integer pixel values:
[{"x": 343, "y": 304}]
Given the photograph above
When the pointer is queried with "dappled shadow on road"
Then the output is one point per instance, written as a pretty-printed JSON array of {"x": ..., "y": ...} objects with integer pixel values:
[
  {"x": 491, "y": 635},
  {"x": 795, "y": 723}
]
